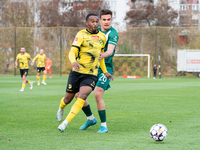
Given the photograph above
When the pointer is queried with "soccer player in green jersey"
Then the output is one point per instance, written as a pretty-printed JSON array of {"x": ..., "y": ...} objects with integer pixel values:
[
  {"x": 84, "y": 56},
  {"x": 102, "y": 83}
]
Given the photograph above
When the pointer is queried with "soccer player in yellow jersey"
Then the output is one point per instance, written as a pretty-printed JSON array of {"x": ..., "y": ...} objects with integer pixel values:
[
  {"x": 41, "y": 57},
  {"x": 102, "y": 84},
  {"x": 23, "y": 58},
  {"x": 84, "y": 56}
]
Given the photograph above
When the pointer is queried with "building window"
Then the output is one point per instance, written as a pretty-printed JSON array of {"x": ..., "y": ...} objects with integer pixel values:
[
  {"x": 184, "y": 7},
  {"x": 193, "y": 7},
  {"x": 114, "y": 13},
  {"x": 111, "y": 3},
  {"x": 181, "y": 7},
  {"x": 114, "y": 3}
]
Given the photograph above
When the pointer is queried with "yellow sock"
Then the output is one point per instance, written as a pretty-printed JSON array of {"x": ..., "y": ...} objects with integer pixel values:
[
  {"x": 62, "y": 104},
  {"x": 44, "y": 77},
  {"x": 38, "y": 78},
  {"x": 28, "y": 82},
  {"x": 75, "y": 109},
  {"x": 23, "y": 85}
]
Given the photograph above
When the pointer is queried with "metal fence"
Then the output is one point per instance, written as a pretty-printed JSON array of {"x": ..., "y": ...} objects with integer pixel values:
[{"x": 56, "y": 42}]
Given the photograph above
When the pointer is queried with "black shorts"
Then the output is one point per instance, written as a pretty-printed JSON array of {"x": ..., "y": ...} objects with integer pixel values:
[
  {"x": 39, "y": 69},
  {"x": 23, "y": 72},
  {"x": 76, "y": 80}
]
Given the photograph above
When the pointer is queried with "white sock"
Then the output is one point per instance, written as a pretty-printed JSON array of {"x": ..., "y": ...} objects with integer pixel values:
[
  {"x": 104, "y": 124},
  {"x": 90, "y": 117}
]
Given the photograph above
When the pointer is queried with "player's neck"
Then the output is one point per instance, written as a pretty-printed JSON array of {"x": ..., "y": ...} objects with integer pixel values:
[
  {"x": 92, "y": 31},
  {"x": 102, "y": 29}
]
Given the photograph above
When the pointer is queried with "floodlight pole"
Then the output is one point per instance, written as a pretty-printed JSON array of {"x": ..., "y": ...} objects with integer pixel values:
[
  {"x": 159, "y": 67},
  {"x": 15, "y": 49}
]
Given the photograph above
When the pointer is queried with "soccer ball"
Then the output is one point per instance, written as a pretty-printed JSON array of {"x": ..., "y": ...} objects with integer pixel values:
[{"x": 158, "y": 132}]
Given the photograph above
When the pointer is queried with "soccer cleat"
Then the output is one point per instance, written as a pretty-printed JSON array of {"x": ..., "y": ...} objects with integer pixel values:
[
  {"x": 88, "y": 123},
  {"x": 59, "y": 115},
  {"x": 31, "y": 85},
  {"x": 22, "y": 89},
  {"x": 61, "y": 127},
  {"x": 44, "y": 83},
  {"x": 50, "y": 77},
  {"x": 103, "y": 130},
  {"x": 38, "y": 83}
]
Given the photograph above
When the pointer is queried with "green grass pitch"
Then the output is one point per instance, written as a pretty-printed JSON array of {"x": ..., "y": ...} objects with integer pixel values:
[{"x": 28, "y": 119}]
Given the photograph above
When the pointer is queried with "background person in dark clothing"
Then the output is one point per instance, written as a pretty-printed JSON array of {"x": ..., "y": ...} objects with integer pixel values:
[{"x": 154, "y": 71}]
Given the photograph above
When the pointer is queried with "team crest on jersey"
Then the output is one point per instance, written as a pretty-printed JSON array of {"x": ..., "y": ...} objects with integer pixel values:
[
  {"x": 75, "y": 40},
  {"x": 70, "y": 86},
  {"x": 101, "y": 42},
  {"x": 95, "y": 37},
  {"x": 115, "y": 39}
]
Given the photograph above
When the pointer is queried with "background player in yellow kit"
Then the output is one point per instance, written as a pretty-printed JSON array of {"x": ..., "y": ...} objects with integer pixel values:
[
  {"x": 41, "y": 57},
  {"x": 84, "y": 56},
  {"x": 23, "y": 58}
]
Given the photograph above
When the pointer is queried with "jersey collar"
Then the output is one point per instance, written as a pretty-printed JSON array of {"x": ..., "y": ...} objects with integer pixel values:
[{"x": 91, "y": 32}]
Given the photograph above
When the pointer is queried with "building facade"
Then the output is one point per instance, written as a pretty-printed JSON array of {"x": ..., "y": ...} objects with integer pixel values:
[{"x": 189, "y": 14}]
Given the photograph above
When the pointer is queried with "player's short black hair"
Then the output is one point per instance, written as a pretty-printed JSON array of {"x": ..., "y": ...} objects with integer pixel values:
[
  {"x": 90, "y": 14},
  {"x": 105, "y": 12}
]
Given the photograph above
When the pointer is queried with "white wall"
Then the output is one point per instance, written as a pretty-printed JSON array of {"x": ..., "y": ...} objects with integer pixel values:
[{"x": 119, "y": 9}]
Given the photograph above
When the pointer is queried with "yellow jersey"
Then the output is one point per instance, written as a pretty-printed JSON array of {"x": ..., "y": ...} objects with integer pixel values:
[
  {"x": 23, "y": 60},
  {"x": 41, "y": 60},
  {"x": 87, "y": 47}
]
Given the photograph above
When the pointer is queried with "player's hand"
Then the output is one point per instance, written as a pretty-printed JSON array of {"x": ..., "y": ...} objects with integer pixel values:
[
  {"x": 16, "y": 66},
  {"x": 109, "y": 76},
  {"x": 31, "y": 64},
  {"x": 76, "y": 66},
  {"x": 101, "y": 56}
]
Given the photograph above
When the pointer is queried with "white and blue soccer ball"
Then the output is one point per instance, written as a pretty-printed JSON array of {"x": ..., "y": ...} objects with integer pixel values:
[{"x": 158, "y": 132}]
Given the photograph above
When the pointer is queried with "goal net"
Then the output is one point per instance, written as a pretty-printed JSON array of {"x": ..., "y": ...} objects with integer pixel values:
[{"x": 132, "y": 65}]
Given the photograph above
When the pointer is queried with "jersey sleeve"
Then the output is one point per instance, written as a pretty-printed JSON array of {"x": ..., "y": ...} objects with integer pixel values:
[
  {"x": 35, "y": 58},
  {"x": 78, "y": 40},
  {"x": 18, "y": 57},
  {"x": 28, "y": 56},
  {"x": 113, "y": 38}
]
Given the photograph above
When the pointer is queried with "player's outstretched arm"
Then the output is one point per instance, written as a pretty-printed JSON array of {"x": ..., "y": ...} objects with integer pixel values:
[
  {"x": 31, "y": 61},
  {"x": 16, "y": 63},
  {"x": 108, "y": 53}
]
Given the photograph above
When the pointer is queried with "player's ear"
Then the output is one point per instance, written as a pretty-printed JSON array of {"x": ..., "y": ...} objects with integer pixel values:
[{"x": 86, "y": 23}]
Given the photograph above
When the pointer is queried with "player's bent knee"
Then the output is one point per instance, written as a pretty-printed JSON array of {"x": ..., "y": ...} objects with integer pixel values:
[
  {"x": 76, "y": 95},
  {"x": 67, "y": 100}
]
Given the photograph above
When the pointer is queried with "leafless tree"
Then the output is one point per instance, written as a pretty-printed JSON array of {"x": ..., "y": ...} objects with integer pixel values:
[
  {"x": 59, "y": 13},
  {"x": 149, "y": 15},
  {"x": 16, "y": 14}
]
